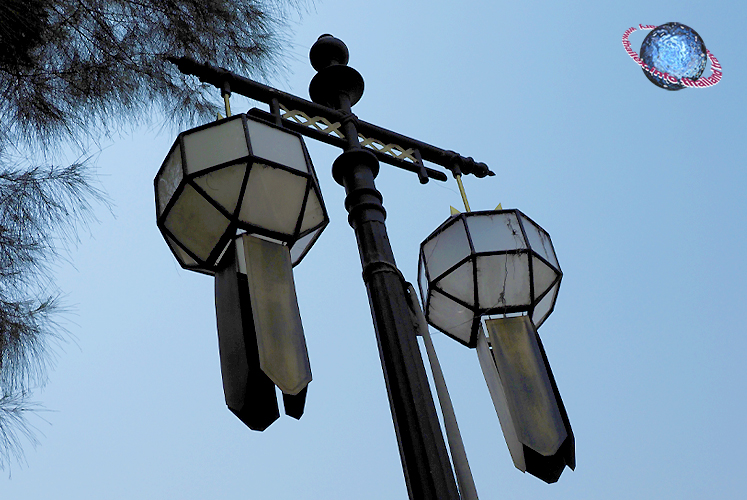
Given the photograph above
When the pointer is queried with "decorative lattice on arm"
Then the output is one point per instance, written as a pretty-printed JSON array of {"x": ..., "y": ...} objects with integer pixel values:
[
  {"x": 325, "y": 126},
  {"x": 392, "y": 150},
  {"x": 318, "y": 122}
]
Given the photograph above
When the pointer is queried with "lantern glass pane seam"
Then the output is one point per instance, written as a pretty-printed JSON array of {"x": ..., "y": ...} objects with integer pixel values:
[
  {"x": 226, "y": 213},
  {"x": 169, "y": 177},
  {"x": 206, "y": 147},
  {"x": 447, "y": 247},
  {"x": 302, "y": 211}
]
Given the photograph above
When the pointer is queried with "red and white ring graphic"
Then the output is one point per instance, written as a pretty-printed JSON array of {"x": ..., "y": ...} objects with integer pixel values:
[{"x": 700, "y": 82}]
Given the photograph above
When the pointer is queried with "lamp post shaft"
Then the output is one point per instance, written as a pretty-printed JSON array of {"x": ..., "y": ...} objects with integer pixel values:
[
  {"x": 427, "y": 469},
  {"x": 426, "y": 465}
]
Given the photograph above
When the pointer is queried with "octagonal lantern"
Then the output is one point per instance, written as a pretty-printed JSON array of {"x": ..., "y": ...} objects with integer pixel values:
[
  {"x": 234, "y": 175},
  {"x": 485, "y": 263}
]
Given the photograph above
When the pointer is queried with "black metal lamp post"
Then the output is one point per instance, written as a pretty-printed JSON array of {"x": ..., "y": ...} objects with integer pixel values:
[
  {"x": 334, "y": 90},
  {"x": 421, "y": 444}
]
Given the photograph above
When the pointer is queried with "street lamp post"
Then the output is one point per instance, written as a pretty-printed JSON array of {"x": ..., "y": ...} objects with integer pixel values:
[
  {"x": 421, "y": 445},
  {"x": 334, "y": 90}
]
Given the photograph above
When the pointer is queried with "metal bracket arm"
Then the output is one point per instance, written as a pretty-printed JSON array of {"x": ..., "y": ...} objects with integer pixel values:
[{"x": 219, "y": 78}]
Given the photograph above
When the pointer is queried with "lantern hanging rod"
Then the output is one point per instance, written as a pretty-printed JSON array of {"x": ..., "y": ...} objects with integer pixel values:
[{"x": 404, "y": 152}]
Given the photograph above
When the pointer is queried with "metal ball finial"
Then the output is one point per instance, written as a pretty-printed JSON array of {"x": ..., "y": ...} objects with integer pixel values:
[
  {"x": 328, "y": 51},
  {"x": 336, "y": 84}
]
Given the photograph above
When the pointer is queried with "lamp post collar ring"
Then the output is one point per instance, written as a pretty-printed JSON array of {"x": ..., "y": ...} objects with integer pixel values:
[
  {"x": 333, "y": 81},
  {"x": 380, "y": 266},
  {"x": 352, "y": 158}
]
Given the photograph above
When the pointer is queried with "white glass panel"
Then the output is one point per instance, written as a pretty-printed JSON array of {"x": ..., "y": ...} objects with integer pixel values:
[
  {"x": 491, "y": 233},
  {"x": 539, "y": 240},
  {"x": 450, "y": 316},
  {"x": 277, "y": 320},
  {"x": 215, "y": 145},
  {"x": 273, "y": 199},
  {"x": 498, "y": 394},
  {"x": 503, "y": 281},
  {"x": 302, "y": 245},
  {"x": 543, "y": 276},
  {"x": 241, "y": 261},
  {"x": 277, "y": 145},
  {"x": 543, "y": 309},
  {"x": 313, "y": 214},
  {"x": 460, "y": 283},
  {"x": 182, "y": 256},
  {"x": 195, "y": 223},
  {"x": 422, "y": 279},
  {"x": 224, "y": 185},
  {"x": 531, "y": 399},
  {"x": 446, "y": 249},
  {"x": 170, "y": 177}
]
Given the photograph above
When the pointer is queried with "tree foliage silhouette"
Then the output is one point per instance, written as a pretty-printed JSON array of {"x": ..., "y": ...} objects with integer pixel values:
[{"x": 72, "y": 71}]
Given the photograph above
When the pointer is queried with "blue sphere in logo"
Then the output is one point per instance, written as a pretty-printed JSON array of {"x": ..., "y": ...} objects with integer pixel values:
[{"x": 675, "y": 49}]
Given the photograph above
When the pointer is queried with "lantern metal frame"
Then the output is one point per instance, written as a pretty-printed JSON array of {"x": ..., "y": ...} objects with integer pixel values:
[
  {"x": 428, "y": 284},
  {"x": 186, "y": 258}
]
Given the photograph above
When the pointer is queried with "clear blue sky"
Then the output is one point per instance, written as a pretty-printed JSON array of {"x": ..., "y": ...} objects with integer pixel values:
[{"x": 642, "y": 191}]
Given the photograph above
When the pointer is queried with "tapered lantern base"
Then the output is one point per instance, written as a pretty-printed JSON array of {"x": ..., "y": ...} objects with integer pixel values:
[
  {"x": 294, "y": 404},
  {"x": 260, "y": 335},
  {"x": 249, "y": 392},
  {"x": 526, "y": 398}
]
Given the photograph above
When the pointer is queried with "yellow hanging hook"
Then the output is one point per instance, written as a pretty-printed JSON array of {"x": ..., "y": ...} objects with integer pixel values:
[
  {"x": 458, "y": 178},
  {"x": 226, "y": 92}
]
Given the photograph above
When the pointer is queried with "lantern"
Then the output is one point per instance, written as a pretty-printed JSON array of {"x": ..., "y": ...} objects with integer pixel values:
[
  {"x": 502, "y": 264},
  {"x": 490, "y": 262},
  {"x": 237, "y": 174},
  {"x": 239, "y": 199}
]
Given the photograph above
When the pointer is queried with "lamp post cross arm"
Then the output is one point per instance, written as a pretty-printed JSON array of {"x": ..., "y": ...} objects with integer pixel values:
[{"x": 321, "y": 123}]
